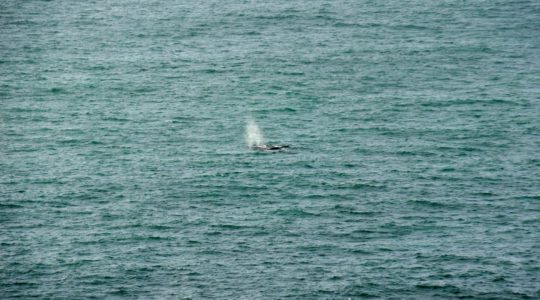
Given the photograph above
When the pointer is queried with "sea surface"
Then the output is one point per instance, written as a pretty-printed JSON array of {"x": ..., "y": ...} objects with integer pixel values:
[{"x": 413, "y": 167}]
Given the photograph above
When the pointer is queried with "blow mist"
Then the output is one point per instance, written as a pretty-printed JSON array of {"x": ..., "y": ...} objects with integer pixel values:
[{"x": 254, "y": 136}]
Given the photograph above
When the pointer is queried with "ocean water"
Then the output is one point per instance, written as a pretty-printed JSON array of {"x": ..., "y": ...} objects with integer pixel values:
[{"x": 413, "y": 170}]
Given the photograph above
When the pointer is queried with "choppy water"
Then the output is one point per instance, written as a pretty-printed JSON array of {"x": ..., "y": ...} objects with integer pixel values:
[{"x": 413, "y": 172}]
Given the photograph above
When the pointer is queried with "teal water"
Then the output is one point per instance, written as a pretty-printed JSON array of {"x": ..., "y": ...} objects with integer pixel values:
[{"x": 413, "y": 170}]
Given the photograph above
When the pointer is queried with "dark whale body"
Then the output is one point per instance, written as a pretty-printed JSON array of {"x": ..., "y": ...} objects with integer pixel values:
[{"x": 270, "y": 147}]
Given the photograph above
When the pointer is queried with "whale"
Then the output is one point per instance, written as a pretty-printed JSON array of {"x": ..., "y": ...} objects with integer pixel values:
[{"x": 269, "y": 147}]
